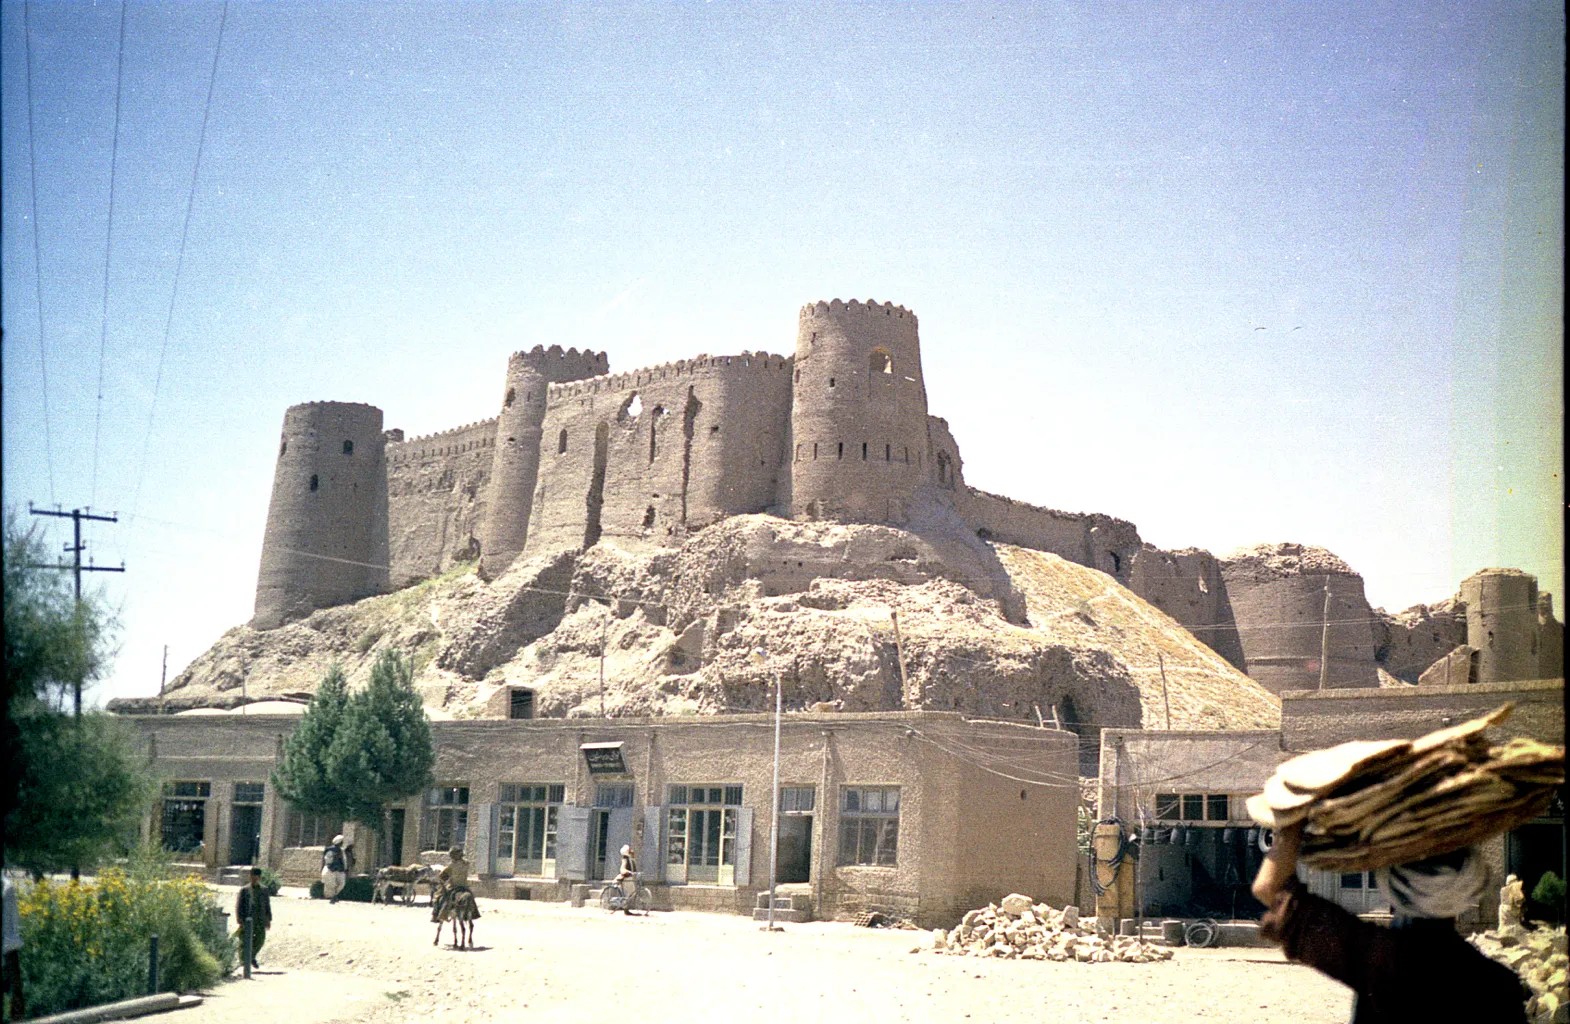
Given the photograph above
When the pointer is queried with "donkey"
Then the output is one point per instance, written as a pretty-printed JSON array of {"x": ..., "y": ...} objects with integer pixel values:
[{"x": 460, "y": 908}]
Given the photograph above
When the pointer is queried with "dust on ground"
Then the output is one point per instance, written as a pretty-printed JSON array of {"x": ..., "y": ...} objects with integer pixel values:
[{"x": 552, "y": 962}]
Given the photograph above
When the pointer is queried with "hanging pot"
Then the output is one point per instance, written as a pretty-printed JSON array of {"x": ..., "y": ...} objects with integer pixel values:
[
  {"x": 1228, "y": 836},
  {"x": 1193, "y": 837},
  {"x": 1176, "y": 839}
]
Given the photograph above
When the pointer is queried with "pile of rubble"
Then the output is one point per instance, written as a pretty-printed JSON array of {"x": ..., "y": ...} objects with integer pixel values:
[
  {"x": 1539, "y": 956},
  {"x": 1021, "y": 929}
]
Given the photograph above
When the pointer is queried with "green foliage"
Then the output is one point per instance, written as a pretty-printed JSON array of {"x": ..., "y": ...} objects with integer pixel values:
[
  {"x": 87, "y": 943},
  {"x": 368, "y": 638},
  {"x": 318, "y": 890},
  {"x": 51, "y": 642},
  {"x": 382, "y": 751},
  {"x": 357, "y": 888},
  {"x": 303, "y": 778},
  {"x": 1550, "y": 892},
  {"x": 271, "y": 881},
  {"x": 353, "y": 754}
]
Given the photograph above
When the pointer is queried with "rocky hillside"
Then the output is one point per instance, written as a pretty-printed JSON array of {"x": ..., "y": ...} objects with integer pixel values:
[{"x": 859, "y": 618}]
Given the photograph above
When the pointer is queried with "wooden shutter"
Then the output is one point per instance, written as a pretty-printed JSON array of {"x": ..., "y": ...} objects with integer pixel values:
[
  {"x": 743, "y": 846},
  {"x": 572, "y": 843},
  {"x": 651, "y": 858}
]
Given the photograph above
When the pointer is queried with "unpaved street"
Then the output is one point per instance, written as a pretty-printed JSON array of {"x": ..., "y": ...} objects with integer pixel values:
[{"x": 550, "y": 962}]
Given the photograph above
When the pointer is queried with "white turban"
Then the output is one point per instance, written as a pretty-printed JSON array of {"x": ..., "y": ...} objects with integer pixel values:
[{"x": 1438, "y": 887}]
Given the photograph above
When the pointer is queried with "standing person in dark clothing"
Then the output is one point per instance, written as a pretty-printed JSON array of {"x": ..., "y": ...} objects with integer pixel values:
[
  {"x": 254, "y": 897},
  {"x": 1419, "y": 969}
]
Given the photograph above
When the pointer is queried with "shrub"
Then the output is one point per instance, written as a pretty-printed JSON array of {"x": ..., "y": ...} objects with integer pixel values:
[
  {"x": 318, "y": 891},
  {"x": 271, "y": 882},
  {"x": 87, "y": 943},
  {"x": 358, "y": 888},
  {"x": 1550, "y": 892}
]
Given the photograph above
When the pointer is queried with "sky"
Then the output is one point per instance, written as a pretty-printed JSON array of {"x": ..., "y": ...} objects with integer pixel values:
[{"x": 1237, "y": 273}]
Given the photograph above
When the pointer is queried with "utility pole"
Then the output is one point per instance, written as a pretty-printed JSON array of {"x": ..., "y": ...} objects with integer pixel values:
[
  {"x": 76, "y": 515},
  {"x": 163, "y": 677},
  {"x": 1161, "y": 663},
  {"x": 1324, "y": 640}
]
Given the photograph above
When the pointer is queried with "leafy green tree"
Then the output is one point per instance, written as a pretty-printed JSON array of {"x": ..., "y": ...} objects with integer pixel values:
[
  {"x": 75, "y": 788},
  {"x": 302, "y": 778},
  {"x": 383, "y": 751}
]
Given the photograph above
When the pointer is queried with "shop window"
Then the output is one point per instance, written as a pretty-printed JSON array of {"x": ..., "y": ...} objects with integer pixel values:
[
  {"x": 526, "y": 828},
  {"x": 869, "y": 825},
  {"x": 701, "y": 831},
  {"x": 1192, "y": 807},
  {"x": 302, "y": 829},
  {"x": 446, "y": 822},
  {"x": 796, "y": 799},
  {"x": 185, "y": 815},
  {"x": 613, "y": 794}
]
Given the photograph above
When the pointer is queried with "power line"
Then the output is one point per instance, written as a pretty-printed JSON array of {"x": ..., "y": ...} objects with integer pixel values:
[
  {"x": 179, "y": 264},
  {"x": 38, "y": 267},
  {"x": 114, "y": 164}
]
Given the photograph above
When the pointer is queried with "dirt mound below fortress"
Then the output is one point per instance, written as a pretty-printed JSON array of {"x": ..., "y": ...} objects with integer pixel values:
[{"x": 857, "y": 618}]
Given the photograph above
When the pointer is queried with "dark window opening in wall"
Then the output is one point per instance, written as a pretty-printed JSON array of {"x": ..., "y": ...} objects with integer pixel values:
[
  {"x": 798, "y": 451},
  {"x": 798, "y": 376},
  {"x": 880, "y": 362},
  {"x": 520, "y": 702},
  {"x": 648, "y": 517},
  {"x": 282, "y": 447},
  {"x": 831, "y": 382},
  {"x": 561, "y": 442},
  {"x": 314, "y": 482},
  {"x": 348, "y": 447},
  {"x": 1117, "y": 562},
  {"x": 842, "y": 450},
  {"x": 863, "y": 451},
  {"x": 984, "y": 533},
  {"x": 653, "y": 439},
  {"x": 888, "y": 453},
  {"x": 907, "y": 456},
  {"x": 715, "y": 429},
  {"x": 814, "y": 450},
  {"x": 596, "y": 497},
  {"x": 1089, "y": 739},
  {"x": 512, "y": 393}
]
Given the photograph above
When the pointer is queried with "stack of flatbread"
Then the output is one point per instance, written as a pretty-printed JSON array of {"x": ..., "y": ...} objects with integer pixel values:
[{"x": 1372, "y": 803}]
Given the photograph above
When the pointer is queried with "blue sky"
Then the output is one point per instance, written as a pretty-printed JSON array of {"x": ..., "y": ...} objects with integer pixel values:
[{"x": 1236, "y": 273}]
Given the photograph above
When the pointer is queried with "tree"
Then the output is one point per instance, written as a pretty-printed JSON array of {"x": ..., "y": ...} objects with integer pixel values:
[
  {"x": 383, "y": 749},
  {"x": 75, "y": 788},
  {"x": 353, "y": 754},
  {"x": 303, "y": 778}
]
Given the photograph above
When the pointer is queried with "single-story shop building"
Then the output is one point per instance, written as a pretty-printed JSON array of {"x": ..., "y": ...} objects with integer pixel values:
[{"x": 915, "y": 813}]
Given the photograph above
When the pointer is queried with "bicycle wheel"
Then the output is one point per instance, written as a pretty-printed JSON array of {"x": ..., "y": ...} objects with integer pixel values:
[
  {"x": 608, "y": 896},
  {"x": 641, "y": 901}
]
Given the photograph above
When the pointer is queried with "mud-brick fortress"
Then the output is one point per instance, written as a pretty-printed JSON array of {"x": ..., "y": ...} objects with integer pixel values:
[{"x": 839, "y": 431}]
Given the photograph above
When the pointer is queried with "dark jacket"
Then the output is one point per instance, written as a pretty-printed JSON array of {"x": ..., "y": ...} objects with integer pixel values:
[
  {"x": 334, "y": 859},
  {"x": 264, "y": 906},
  {"x": 1422, "y": 972}
]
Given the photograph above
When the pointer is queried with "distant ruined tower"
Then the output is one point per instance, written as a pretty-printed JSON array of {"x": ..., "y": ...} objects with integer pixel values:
[
  {"x": 518, "y": 439},
  {"x": 858, "y": 415},
  {"x": 326, "y": 539},
  {"x": 1502, "y": 624}
]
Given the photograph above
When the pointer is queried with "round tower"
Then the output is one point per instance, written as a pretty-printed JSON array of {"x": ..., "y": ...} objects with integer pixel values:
[
  {"x": 1501, "y": 624},
  {"x": 516, "y": 464},
  {"x": 326, "y": 539},
  {"x": 858, "y": 414}
]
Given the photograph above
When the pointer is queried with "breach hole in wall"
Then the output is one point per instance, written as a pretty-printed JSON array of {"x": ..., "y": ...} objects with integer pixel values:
[
  {"x": 512, "y": 393},
  {"x": 632, "y": 408},
  {"x": 880, "y": 362},
  {"x": 314, "y": 482},
  {"x": 348, "y": 447}
]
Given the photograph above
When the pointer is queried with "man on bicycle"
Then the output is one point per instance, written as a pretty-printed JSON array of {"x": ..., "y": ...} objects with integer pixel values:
[{"x": 629, "y": 869}]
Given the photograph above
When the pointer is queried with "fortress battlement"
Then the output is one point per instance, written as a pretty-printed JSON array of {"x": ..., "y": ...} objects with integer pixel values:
[
  {"x": 700, "y": 365},
  {"x": 559, "y": 365},
  {"x": 327, "y": 402},
  {"x": 869, "y": 307},
  {"x": 479, "y": 434}
]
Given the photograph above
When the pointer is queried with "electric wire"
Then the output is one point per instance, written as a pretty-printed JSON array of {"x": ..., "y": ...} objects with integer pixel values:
[
  {"x": 38, "y": 267},
  {"x": 103, "y": 333},
  {"x": 179, "y": 264}
]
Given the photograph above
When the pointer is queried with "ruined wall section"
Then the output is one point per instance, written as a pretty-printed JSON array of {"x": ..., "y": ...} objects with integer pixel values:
[
  {"x": 437, "y": 489},
  {"x": 1187, "y": 585},
  {"x": 1278, "y": 601},
  {"x": 1089, "y": 539},
  {"x": 326, "y": 538},
  {"x": 657, "y": 453},
  {"x": 1501, "y": 624},
  {"x": 858, "y": 439},
  {"x": 516, "y": 459},
  {"x": 1408, "y": 642}
]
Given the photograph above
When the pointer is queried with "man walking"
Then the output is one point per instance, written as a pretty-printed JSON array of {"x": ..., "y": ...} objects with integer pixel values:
[
  {"x": 254, "y": 900},
  {"x": 335, "y": 869}
]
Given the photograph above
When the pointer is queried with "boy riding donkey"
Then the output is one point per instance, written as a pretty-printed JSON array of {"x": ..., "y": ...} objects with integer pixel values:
[{"x": 454, "y": 901}]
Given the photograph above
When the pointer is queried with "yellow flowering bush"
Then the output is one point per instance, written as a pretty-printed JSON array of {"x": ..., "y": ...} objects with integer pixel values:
[{"x": 86, "y": 943}]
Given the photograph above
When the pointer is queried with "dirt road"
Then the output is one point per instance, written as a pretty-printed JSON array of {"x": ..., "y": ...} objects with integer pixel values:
[{"x": 550, "y": 962}]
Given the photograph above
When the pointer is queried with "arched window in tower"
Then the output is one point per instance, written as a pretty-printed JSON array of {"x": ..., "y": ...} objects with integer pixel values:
[
  {"x": 880, "y": 362},
  {"x": 348, "y": 447},
  {"x": 314, "y": 481},
  {"x": 561, "y": 442},
  {"x": 944, "y": 479}
]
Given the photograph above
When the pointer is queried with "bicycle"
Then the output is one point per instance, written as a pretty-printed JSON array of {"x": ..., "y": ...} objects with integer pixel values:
[{"x": 614, "y": 896}]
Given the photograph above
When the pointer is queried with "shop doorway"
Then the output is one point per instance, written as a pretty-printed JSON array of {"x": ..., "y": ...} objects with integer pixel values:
[{"x": 794, "y": 852}]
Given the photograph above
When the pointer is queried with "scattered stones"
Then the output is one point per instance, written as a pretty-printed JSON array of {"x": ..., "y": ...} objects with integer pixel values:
[
  {"x": 1538, "y": 955},
  {"x": 1020, "y": 929}
]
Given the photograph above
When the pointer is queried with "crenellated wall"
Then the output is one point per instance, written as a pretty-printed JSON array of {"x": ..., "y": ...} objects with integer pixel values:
[
  {"x": 437, "y": 490},
  {"x": 661, "y": 451},
  {"x": 326, "y": 538}
]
